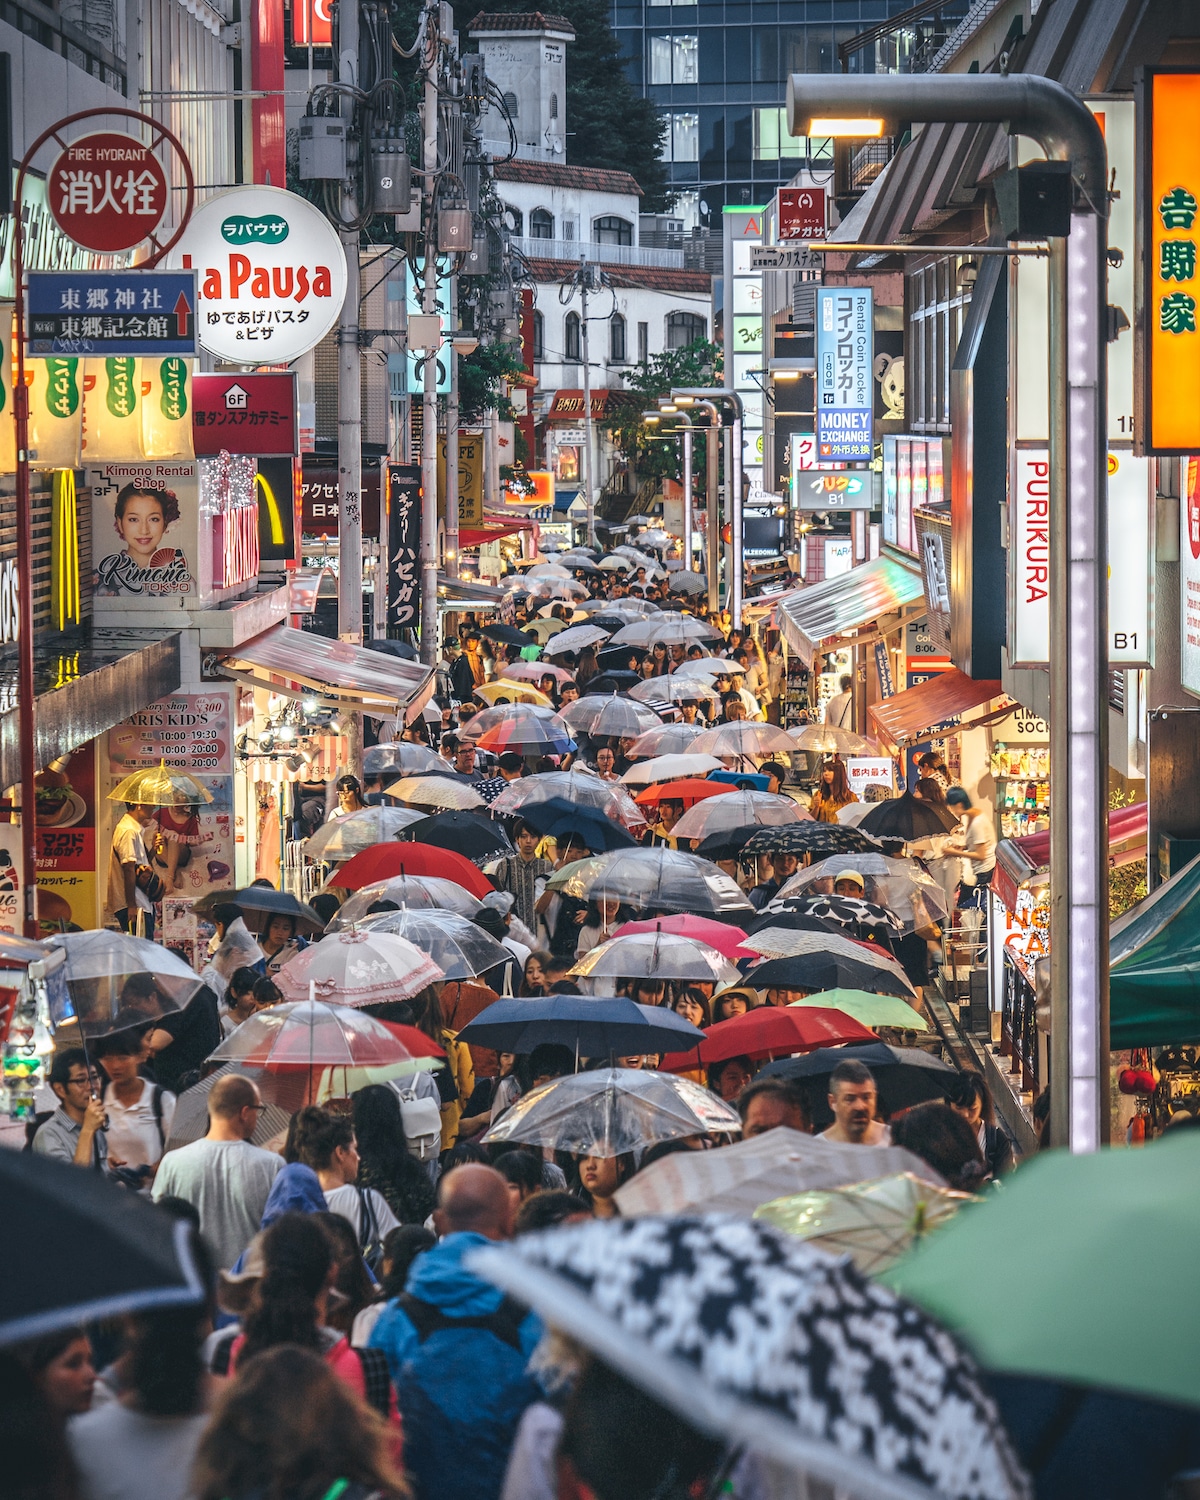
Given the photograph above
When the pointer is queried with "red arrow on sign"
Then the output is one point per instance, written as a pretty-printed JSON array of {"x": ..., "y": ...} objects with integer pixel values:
[{"x": 183, "y": 312}]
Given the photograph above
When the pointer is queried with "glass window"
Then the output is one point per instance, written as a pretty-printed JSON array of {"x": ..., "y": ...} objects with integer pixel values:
[
  {"x": 771, "y": 139},
  {"x": 684, "y": 143},
  {"x": 539, "y": 335},
  {"x": 660, "y": 59},
  {"x": 571, "y": 338},
  {"x": 554, "y": 106},
  {"x": 541, "y": 225},
  {"x": 684, "y": 328},
  {"x": 616, "y": 339},
  {"x": 610, "y": 230},
  {"x": 569, "y": 229},
  {"x": 643, "y": 342},
  {"x": 674, "y": 59}
]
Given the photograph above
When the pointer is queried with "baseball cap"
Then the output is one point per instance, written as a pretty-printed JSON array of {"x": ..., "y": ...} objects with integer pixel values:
[{"x": 851, "y": 875}]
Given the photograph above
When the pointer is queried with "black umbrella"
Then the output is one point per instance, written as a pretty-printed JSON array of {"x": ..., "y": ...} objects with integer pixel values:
[
  {"x": 608, "y": 622},
  {"x": 81, "y": 1248},
  {"x": 611, "y": 682},
  {"x": 467, "y": 833},
  {"x": 393, "y": 648},
  {"x": 259, "y": 903},
  {"x": 829, "y": 971},
  {"x": 904, "y": 1076},
  {"x": 591, "y": 1026},
  {"x": 811, "y": 838},
  {"x": 730, "y": 843},
  {"x": 556, "y": 817},
  {"x": 908, "y": 817},
  {"x": 508, "y": 634}
]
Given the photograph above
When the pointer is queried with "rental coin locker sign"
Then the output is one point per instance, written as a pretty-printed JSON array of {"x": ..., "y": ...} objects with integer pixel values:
[
  {"x": 270, "y": 271},
  {"x": 845, "y": 382}
]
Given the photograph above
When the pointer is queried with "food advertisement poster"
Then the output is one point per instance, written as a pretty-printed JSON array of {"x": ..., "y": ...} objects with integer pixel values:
[{"x": 66, "y": 841}]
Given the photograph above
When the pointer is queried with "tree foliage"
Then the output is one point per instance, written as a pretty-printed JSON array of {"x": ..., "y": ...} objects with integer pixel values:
[
  {"x": 696, "y": 364},
  {"x": 480, "y": 380}
]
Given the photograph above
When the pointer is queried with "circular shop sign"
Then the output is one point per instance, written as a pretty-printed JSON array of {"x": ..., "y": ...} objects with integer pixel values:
[
  {"x": 270, "y": 271},
  {"x": 107, "y": 192}
]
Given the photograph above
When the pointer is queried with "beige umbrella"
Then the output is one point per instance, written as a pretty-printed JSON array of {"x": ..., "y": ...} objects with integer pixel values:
[
  {"x": 160, "y": 786},
  {"x": 436, "y": 791}
]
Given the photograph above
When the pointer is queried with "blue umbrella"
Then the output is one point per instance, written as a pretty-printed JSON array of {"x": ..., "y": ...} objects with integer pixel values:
[
  {"x": 556, "y": 817},
  {"x": 590, "y": 1027}
]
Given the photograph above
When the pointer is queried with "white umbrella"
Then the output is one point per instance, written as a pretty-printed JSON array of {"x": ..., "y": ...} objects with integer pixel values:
[
  {"x": 670, "y": 768},
  {"x": 436, "y": 791},
  {"x": 548, "y": 570},
  {"x": 671, "y": 629},
  {"x": 705, "y": 667},
  {"x": 828, "y": 739},
  {"x": 357, "y": 968},
  {"x": 342, "y": 838},
  {"x": 737, "y": 810},
  {"x": 575, "y": 638}
]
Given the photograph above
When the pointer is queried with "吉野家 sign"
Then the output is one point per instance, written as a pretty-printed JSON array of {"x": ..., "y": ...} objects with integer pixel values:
[
  {"x": 107, "y": 192},
  {"x": 254, "y": 415},
  {"x": 270, "y": 271},
  {"x": 833, "y": 489},
  {"x": 801, "y": 213},
  {"x": 112, "y": 313},
  {"x": 1167, "y": 324},
  {"x": 845, "y": 383}
]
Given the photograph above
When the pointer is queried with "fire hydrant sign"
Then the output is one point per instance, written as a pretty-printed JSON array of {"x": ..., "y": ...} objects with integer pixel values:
[
  {"x": 271, "y": 274},
  {"x": 107, "y": 192},
  {"x": 112, "y": 313}
]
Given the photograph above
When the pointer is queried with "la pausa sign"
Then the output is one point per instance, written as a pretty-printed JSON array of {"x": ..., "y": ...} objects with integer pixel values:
[{"x": 271, "y": 275}]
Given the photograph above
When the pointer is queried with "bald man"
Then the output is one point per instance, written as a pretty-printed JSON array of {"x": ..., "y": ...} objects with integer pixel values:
[
  {"x": 223, "y": 1175},
  {"x": 457, "y": 1348}
]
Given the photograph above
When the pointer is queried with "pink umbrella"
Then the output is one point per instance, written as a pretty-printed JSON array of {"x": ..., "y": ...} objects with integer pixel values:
[
  {"x": 357, "y": 968},
  {"x": 534, "y": 671},
  {"x": 727, "y": 940}
]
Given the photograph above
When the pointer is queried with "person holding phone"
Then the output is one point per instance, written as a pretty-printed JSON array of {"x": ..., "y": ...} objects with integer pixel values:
[{"x": 75, "y": 1132}]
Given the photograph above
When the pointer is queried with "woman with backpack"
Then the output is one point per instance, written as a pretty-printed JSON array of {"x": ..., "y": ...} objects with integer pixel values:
[{"x": 384, "y": 1161}]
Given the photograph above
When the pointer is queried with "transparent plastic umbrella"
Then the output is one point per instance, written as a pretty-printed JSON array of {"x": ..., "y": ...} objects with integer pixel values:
[
  {"x": 455, "y": 944},
  {"x": 436, "y": 791},
  {"x": 704, "y": 667},
  {"x": 747, "y": 737},
  {"x": 418, "y": 892},
  {"x": 656, "y": 879},
  {"x": 399, "y": 758},
  {"x": 610, "y": 797},
  {"x": 342, "y": 838},
  {"x": 357, "y": 968},
  {"x": 599, "y": 716},
  {"x": 669, "y": 768},
  {"x": 528, "y": 737},
  {"x": 575, "y": 638},
  {"x": 506, "y": 713},
  {"x": 669, "y": 628},
  {"x": 613, "y": 1111},
  {"x": 160, "y": 786},
  {"x": 901, "y": 886},
  {"x": 738, "y": 810},
  {"x": 656, "y": 955},
  {"x": 114, "y": 981},
  {"x": 828, "y": 739},
  {"x": 674, "y": 689},
  {"x": 668, "y": 739},
  {"x": 623, "y": 609}
]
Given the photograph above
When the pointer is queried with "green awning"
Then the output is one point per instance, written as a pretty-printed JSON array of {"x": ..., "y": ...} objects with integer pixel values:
[{"x": 1155, "y": 960}]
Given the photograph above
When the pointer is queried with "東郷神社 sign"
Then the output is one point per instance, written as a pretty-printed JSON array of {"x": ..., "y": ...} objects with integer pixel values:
[{"x": 112, "y": 313}]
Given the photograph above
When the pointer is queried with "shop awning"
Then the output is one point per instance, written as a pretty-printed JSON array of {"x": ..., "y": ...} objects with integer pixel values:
[
  {"x": 906, "y": 717},
  {"x": 1026, "y": 861},
  {"x": 299, "y": 663},
  {"x": 492, "y": 531},
  {"x": 824, "y": 611},
  {"x": 1154, "y": 952},
  {"x": 455, "y": 593}
]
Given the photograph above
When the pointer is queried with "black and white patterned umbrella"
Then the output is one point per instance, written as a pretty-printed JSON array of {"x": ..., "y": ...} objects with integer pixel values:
[
  {"x": 846, "y": 911},
  {"x": 756, "y": 1338},
  {"x": 811, "y": 838}
]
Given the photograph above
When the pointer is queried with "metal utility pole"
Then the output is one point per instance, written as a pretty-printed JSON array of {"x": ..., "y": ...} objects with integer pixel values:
[
  {"x": 429, "y": 432},
  {"x": 452, "y": 458},
  {"x": 350, "y": 583},
  {"x": 1067, "y": 131},
  {"x": 585, "y": 283}
]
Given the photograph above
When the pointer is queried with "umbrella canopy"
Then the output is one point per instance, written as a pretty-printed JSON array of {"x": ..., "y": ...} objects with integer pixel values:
[
  {"x": 460, "y": 948},
  {"x": 789, "y": 942},
  {"x": 357, "y": 968},
  {"x": 528, "y": 737},
  {"x": 738, "y": 810},
  {"x": 656, "y": 879},
  {"x": 851, "y": 912},
  {"x": 259, "y": 903},
  {"x": 656, "y": 955},
  {"x": 689, "y": 791},
  {"x": 342, "y": 838},
  {"x": 605, "y": 1026},
  {"x": 757, "y": 1339},
  {"x": 575, "y": 638},
  {"x": 674, "y": 689},
  {"x": 613, "y": 1111},
  {"x": 190, "y": 1120},
  {"x": 725, "y": 843},
  {"x": 576, "y": 786},
  {"x": 508, "y": 635},
  {"x": 441, "y": 791},
  {"x": 296, "y": 1039},
  {"x": 534, "y": 671},
  {"x": 1114, "y": 1252},
  {"x": 867, "y": 1009},
  {"x": 488, "y": 718},
  {"x": 557, "y": 588},
  {"x": 543, "y": 629},
  {"x": 556, "y": 818},
  {"x": 667, "y": 739},
  {"x": 746, "y": 737},
  {"x": 772, "y": 1031},
  {"x": 688, "y": 583},
  {"x": 547, "y": 570},
  {"x": 474, "y": 837},
  {"x": 670, "y": 629},
  {"x": 825, "y": 970},
  {"x": 820, "y": 839},
  {"x": 500, "y": 692},
  {"x": 790, "y": 921},
  {"x": 598, "y": 716},
  {"x": 669, "y": 768},
  {"x": 82, "y": 1249},
  {"x": 724, "y": 938},
  {"x": 874, "y": 1223},
  {"x": 611, "y": 681},
  {"x": 386, "y": 860},
  {"x": 902, "y": 886},
  {"x": 399, "y": 758},
  {"x": 409, "y": 892},
  {"x": 904, "y": 1076},
  {"x": 114, "y": 981},
  {"x": 160, "y": 786},
  {"x": 706, "y": 668},
  {"x": 828, "y": 739},
  {"x": 907, "y": 817}
]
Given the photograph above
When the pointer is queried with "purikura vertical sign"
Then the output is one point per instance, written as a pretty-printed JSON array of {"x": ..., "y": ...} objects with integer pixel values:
[
  {"x": 1029, "y": 559},
  {"x": 1189, "y": 575}
]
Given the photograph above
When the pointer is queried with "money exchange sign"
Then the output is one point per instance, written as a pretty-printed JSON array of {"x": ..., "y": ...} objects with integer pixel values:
[{"x": 845, "y": 384}]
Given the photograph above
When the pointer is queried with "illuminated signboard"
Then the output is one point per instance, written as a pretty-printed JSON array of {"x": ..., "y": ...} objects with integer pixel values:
[
  {"x": 833, "y": 489},
  {"x": 845, "y": 382}
]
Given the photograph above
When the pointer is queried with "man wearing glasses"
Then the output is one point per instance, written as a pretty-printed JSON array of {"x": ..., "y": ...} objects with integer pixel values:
[
  {"x": 224, "y": 1176},
  {"x": 75, "y": 1131}
]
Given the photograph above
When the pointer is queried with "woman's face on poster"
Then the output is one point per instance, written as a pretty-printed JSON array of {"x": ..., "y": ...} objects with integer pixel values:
[{"x": 142, "y": 527}]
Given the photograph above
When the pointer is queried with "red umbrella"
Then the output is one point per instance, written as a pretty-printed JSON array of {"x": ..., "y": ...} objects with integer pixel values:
[
  {"x": 772, "y": 1031},
  {"x": 414, "y": 1039},
  {"x": 727, "y": 940},
  {"x": 383, "y": 861},
  {"x": 688, "y": 790}
]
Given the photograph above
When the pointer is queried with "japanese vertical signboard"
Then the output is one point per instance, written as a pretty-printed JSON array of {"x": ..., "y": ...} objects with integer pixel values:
[
  {"x": 1170, "y": 340},
  {"x": 1189, "y": 575},
  {"x": 404, "y": 541},
  {"x": 845, "y": 383}
]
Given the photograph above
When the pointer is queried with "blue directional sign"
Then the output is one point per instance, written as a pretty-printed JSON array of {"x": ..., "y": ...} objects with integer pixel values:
[
  {"x": 845, "y": 381},
  {"x": 111, "y": 313}
]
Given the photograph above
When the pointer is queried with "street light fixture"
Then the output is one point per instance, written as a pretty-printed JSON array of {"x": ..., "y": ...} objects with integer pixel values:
[
  {"x": 733, "y": 488},
  {"x": 1067, "y": 131}
]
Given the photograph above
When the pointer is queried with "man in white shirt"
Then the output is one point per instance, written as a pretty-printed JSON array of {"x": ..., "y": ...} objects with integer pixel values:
[
  {"x": 226, "y": 1178},
  {"x": 128, "y": 851},
  {"x": 853, "y": 1098},
  {"x": 139, "y": 1112},
  {"x": 839, "y": 711},
  {"x": 978, "y": 840}
]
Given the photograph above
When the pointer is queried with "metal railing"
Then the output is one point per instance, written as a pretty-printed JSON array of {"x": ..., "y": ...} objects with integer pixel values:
[{"x": 613, "y": 255}]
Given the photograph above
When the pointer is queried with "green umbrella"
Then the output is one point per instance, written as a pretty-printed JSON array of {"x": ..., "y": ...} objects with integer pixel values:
[
  {"x": 870, "y": 1010},
  {"x": 1079, "y": 1269}
]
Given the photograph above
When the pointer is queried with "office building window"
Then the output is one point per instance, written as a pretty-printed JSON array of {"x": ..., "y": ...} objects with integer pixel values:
[
  {"x": 539, "y": 335},
  {"x": 572, "y": 343},
  {"x": 684, "y": 139},
  {"x": 772, "y": 141},
  {"x": 674, "y": 59},
  {"x": 643, "y": 343},
  {"x": 616, "y": 339},
  {"x": 684, "y": 328},
  {"x": 541, "y": 225},
  {"x": 610, "y": 230}
]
